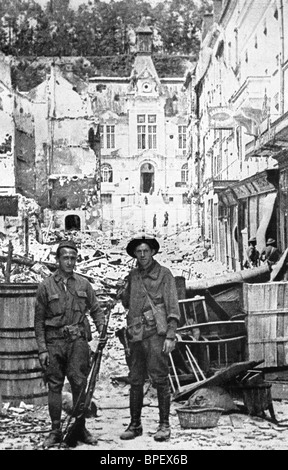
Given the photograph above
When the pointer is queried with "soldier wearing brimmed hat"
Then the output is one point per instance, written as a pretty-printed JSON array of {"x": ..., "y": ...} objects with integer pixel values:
[
  {"x": 271, "y": 254},
  {"x": 150, "y": 295},
  {"x": 62, "y": 333}
]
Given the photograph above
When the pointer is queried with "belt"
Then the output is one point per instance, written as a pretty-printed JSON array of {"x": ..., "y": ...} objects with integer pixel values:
[
  {"x": 62, "y": 331},
  {"x": 146, "y": 309}
]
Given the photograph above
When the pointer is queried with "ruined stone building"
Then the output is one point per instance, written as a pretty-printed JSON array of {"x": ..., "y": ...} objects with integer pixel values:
[
  {"x": 53, "y": 154},
  {"x": 101, "y": 150},
  {"x": 7, "y": 174},
  {"x": 239, "y": 130}
]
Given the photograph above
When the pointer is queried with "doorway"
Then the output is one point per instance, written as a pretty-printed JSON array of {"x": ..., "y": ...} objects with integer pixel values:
[
  {"x": 72, "y": 222},
  {"x": 147, "y": 178}
]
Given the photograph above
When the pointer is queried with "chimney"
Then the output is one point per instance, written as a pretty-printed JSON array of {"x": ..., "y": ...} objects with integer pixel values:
[
  {"x": 207, "y": 24},
  {"x": 217, "y": 9}
]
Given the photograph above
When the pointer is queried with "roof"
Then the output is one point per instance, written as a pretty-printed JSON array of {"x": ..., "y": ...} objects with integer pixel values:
[{"x": 27, "y": 73}]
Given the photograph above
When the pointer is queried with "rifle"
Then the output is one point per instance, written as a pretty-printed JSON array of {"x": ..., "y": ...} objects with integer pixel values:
[{"x": 70, "y": 433}]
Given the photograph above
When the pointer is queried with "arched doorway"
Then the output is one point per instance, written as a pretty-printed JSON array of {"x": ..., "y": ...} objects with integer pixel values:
[
  {"x": 72, "y": 222},
  {"x": 147, "y": 178}
]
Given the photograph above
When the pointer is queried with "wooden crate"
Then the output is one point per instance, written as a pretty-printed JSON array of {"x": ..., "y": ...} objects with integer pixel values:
[
  {"x": 279, "y": 390},
  {"x": 266, "y": 306}
]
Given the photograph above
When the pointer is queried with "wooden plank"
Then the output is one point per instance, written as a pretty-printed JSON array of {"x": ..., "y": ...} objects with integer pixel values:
[
  {"x": 285, "y": 303},
  {"x": 281, "y": 296},
  {"x": 279, "y": 390},
  {"x": 280, "y": 354},
  {"x": 214, "y": 305},
  {"x": 9, "y": 262},
  {"x": 256, "y": 352},
  {"x": 270, "y": 354},
  {"x": 220, "y": 378}
]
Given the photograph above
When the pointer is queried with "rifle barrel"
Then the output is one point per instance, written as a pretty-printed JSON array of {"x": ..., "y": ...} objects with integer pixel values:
[{"x": 94, "y": 370}]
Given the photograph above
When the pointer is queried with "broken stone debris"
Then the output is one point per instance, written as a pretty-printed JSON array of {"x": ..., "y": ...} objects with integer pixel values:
[
  {"x": 33, "y": 257},
  {"x": 104, "y": 263}
]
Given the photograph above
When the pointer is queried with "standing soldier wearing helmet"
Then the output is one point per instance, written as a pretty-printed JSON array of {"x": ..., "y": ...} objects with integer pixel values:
[
  {"x": 62, "y": 333},
  {"x": 150, "y": 295},
  {"x": 252, "y": 254}
]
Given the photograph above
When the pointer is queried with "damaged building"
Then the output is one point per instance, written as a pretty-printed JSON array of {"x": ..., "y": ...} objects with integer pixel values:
[
  {"x": 238, "y": 132},
  {"x": 103, "y": 150},
  {"x": 54, "y": 152}
]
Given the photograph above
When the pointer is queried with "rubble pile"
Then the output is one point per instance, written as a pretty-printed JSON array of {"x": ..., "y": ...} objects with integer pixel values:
[
  {"x": 30, "y": 257},
  {"x": 102, "y": 256}
]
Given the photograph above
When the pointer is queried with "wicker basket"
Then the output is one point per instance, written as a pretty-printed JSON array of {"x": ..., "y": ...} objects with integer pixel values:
[{"x": 198, "y": 417}]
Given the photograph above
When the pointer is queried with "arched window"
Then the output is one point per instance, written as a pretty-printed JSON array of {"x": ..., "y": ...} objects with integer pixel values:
[
  {"x": 184, "y": 173},
  {"x": 106, "y": 173},
  {"x": 72, "y": 222}
]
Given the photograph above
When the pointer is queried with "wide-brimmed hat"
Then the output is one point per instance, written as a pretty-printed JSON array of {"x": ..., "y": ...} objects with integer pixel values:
[
  {"x": 132, "y": 245},
  {"x": 270, "y": 241},
  {"x": 66, "y": 244}
]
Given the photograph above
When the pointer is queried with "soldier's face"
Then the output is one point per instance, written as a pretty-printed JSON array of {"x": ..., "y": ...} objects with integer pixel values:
[
  {"x": 67, "y": 260},
  {"x": 144, "y": 255}
]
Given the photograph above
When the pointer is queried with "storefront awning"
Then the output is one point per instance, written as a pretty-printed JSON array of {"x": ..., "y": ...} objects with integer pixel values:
[{"x": 268, "y": 206}]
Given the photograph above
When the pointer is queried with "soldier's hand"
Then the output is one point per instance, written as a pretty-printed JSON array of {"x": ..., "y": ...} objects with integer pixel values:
[
  {"x": 44, "y": 360},
  {"x": 121, "y": 285},
  {"x": 169, "y": 345}
]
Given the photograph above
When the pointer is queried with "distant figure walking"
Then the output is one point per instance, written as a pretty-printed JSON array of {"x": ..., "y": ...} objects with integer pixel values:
[
  {"x": 154, "y": 221},
  {"x": 166, "y": 219}
]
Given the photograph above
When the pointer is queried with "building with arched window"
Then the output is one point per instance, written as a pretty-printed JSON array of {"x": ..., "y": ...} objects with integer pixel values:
[
  {"x": 107, "y": 147},
  {"x": 143, "y": 120},
  {"x": 184, "y": 173},
  {"x": 106, "y": 173}
]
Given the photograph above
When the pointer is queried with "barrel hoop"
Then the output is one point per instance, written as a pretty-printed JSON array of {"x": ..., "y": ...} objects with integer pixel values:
[
  {"x": 14, "y": 295},
  {"x": 17, "y": 330},
  {"x": 23, "y": 397},
  {"x": 20, "y": 372},
  {"x": 33, "y": 353}
]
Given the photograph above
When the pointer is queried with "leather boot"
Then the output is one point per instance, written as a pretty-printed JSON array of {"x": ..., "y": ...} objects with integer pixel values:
[
  {"x": 54, "y": 437},
  {"x": 136, "y": 402},
  {"x": 163, "y": 432},
  {"x": 84, "y": 435}
]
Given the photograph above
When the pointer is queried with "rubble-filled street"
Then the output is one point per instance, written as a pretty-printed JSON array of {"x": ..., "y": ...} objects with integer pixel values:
[
  {"x": 105, "y": 262},
  {"x": 25, "y": 427}
]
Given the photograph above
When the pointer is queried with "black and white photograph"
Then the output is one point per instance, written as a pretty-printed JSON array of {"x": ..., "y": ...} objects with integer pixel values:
[{"x": 143, "y": 228}]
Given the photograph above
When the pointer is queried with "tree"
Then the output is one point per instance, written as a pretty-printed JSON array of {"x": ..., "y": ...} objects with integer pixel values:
[
  {"x": 98, "y": 29},
  {"x": 179, "y": 22}
]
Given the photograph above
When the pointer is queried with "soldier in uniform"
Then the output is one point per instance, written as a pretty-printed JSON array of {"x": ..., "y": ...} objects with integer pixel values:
[
  {"x": 252, "y": 253},
  {"x": 150, "y": 295},
  {"x": 62, "y": 333}
]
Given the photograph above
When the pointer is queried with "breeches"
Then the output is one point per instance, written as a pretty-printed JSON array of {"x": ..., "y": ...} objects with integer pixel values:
[
  {"x": 147, "y": 358},
  {"x": 67, "y": 359}
]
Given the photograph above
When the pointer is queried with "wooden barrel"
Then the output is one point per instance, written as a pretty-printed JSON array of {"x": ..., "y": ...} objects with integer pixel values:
[{"x": 21, "y": 378}]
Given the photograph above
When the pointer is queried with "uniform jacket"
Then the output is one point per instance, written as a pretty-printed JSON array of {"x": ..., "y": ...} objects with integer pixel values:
[
  {"x": 161, "y": 286},
  {"x": 271, "y": 254},
  {"x": 57, "y": 306}
]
